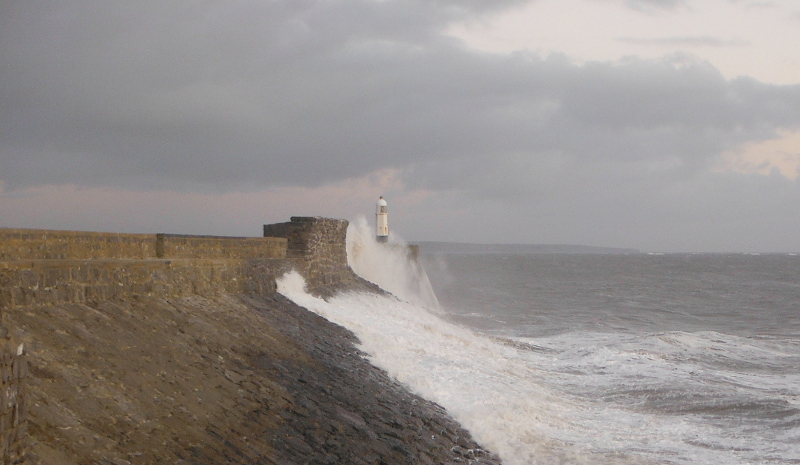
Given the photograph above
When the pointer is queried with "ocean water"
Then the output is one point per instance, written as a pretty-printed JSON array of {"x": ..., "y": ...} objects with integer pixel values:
[{"x": 589, "y": 359}]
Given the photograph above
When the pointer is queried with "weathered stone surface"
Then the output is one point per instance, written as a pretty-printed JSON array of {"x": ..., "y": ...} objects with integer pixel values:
[
  {"x": 277, "y": 230},
  {"x": 187, "y": 265},
  {"x": 45, "y": 282},
  {"x": 319, "y": 246},
  {"x": 13, "y": 403},
  {"x": 210, "y": 247},
  {"x": 30, "y": 244},
  {"x": 248, "y": 379},
  {"x": 37, "y": 244},
  {"x": 139, "y": 360}
]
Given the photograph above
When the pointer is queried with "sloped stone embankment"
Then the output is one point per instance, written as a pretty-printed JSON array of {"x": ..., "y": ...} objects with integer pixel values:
[
  {"x": 232, "y": 379},
  {"x": 165, "y": 349}
]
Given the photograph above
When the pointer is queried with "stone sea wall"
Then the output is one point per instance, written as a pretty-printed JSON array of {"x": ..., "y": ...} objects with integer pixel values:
[
  {"x": 34, "y": 244},
  {"x": 39, "y": 244},
  {"x": 45, "y": 268},
  {"x": 39, "y": 267},
  {"x": 207, "y": 247},
  {"x": 321, "y": 247},
  {"x": 51, "y": 282},
  {"x": 148, "y": 349},
  {"x": 13, "y": 416}
]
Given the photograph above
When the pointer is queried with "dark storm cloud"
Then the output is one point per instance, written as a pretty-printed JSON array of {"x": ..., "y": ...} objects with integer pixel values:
[
  {"x": 218, "y": 96},
  {"x": 638, "y": 112},
  {"x": 216, "y": 93}
]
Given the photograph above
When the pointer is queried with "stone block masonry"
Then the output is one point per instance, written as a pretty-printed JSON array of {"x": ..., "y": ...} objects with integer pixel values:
[
  {"x": 13, "y": 418},
  {"x": 205, "y": 247},
  {"x": 41, "y": 268},
  {"x": 276, "y": 230},
  {"x": 36, "y": 244},
  {"x": 320, "y": 246},
  {"x": 51, "y": 282},
  {"x": 33, "y": 244}
]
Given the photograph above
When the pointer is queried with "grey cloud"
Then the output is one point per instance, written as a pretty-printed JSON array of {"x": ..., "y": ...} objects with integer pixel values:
[
  {"x": 650, "y": 206},
  {"x": 477, "y": 6},
  {"x": 217, "y": 96},
  {"x": 649, "y": 5},
  {"x": 689, "y": 41},
  {"x": 254, "y": 93},
  {"x": 752, "y": 4},
  {"x": 315, "y": 95}
]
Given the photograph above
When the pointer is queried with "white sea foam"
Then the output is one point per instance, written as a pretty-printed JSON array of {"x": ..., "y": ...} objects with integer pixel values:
[
  {"x": 572, "y": 398},
  {"x": 475, "y": 378},
  {"x": 388, "y": 265}
]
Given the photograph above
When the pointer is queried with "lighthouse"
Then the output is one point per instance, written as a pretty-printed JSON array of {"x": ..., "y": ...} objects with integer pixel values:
[{"x": 382, "y": 221}]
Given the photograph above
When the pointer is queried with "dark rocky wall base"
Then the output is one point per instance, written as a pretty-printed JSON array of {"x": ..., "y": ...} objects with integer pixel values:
[
  {"x": 228, "y": 380},
  {"x": 344, "y": 410}
]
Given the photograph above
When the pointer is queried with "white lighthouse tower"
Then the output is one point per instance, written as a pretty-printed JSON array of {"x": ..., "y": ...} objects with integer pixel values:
[{"x": 382, "y": 221}]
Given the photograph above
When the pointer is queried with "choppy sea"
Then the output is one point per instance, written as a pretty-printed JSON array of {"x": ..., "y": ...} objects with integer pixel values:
[{"x": 589, "y": 359}]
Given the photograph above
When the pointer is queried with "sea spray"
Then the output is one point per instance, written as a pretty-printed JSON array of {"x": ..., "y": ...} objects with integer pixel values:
[
  {"x": 578, "y": 392},
  {"x": 485, "y": 383},
  {"x": 389, "y": 265}
]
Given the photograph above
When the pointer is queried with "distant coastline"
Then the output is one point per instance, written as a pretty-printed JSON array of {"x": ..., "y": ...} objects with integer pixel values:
[{"x": 462, "y": 247}]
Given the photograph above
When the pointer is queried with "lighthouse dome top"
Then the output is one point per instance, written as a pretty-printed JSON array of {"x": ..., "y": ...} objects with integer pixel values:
[{"x": 381, "y": 202}]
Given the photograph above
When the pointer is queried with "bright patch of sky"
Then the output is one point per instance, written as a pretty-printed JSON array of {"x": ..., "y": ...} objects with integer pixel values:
[
  {"x": 740, "y": 38},
  {"x": 780, "y": 155}
]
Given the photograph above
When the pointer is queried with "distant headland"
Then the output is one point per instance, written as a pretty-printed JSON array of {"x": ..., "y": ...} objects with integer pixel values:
[{"x": 461, "y": 247}]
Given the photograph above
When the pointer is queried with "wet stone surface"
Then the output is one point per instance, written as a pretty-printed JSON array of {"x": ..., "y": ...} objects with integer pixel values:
[
  {"x": 228, "y": 380},
  {"x": 344, "y": 410}
]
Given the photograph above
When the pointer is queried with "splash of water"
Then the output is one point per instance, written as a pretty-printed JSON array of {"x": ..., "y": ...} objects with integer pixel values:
[
  {"x": 486, "y": 385},
  {"x": 390, "y": 265},
  {"x": 581, "y": 397}
]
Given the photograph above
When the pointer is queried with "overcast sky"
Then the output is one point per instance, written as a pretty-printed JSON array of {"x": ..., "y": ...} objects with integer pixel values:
[{"x": 663, "y": 125}]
